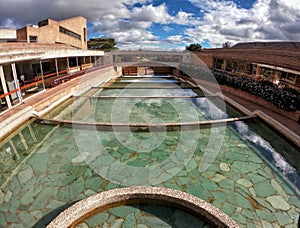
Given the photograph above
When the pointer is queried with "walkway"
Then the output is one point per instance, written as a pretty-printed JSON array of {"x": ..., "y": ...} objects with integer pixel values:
[{"x": 291, "y": 124}]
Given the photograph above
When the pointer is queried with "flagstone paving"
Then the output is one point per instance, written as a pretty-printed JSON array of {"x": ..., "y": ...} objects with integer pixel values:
[
  {"x": 60, "y": 166},
  {"x": 56, "y": 173}
]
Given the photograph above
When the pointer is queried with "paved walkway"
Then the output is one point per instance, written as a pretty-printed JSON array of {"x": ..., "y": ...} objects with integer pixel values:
[
  {"x": 33, "y": 100},
  {"x": 287, "y": 122}
]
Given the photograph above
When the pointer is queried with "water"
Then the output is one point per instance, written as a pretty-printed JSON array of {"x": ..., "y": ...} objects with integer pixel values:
[
  {"x": 145, "y": 216},
  {"x": 243, "y": 171}
]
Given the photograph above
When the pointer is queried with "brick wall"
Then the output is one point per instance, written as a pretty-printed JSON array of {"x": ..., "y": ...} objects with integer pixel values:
[
  {"x": 77, "y": 25},
  {"x": 205, "y": 57},
  {"x": 50, "y": 33},
  {"x": 286, "y": 58}
]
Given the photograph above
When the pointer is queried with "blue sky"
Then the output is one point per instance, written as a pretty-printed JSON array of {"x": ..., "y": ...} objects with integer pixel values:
[{"x": 169, "y": 24}]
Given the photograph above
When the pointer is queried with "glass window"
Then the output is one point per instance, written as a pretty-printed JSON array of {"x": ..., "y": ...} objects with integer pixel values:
[
  {"x": 32, "y": 39},
  {"x": 69, "y": 33}
]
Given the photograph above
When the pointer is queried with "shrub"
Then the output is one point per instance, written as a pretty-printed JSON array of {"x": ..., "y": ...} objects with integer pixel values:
[{"x": 285, "y": 98}]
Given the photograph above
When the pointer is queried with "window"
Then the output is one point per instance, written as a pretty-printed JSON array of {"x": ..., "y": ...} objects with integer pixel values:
[
  {"x": 84, "y": 33},
  {"x": 43, "y": 23},
  {"x": 69, "y": 33},
  {"x": 32, "y": 39}
]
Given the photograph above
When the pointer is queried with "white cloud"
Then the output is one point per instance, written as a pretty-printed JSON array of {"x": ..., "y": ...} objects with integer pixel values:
[
  {"x": 150, "y": 13},
  {"x": 167, "y": 28},
  {"x": 184, "y": 18},
  {"x": 266, "y": 20},
  {"x": 9, "y": 23},
  {"x": 178, "y": 39},
  {"x": 131, "y": 22}
]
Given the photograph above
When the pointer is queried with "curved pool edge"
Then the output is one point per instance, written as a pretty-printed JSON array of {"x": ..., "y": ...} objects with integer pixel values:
[{"x": 87, "y": 206}]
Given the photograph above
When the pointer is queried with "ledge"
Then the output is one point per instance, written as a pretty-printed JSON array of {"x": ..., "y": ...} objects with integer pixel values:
[{"x": 86, "y": 207}]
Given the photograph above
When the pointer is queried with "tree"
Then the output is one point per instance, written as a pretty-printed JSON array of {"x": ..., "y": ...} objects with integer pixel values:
[
  {"x": 226, "y": 44},
  {"x": 194, "y": 47},
  {"x": 103, "y": 44}
]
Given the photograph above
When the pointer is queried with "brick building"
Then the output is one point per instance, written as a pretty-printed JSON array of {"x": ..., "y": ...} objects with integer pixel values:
[
  {"x": 274, "y": 61},
  {"x": 71, "y": 31}
]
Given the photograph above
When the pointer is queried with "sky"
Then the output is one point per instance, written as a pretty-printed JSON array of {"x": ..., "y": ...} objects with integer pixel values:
[{"x": 166, "y": 25}]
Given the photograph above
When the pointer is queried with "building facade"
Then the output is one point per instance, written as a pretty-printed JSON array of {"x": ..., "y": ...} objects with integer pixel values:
[
  {"x": 274, "y": 61},
  {"x": 71, "y": 31},
  {"x": 30, "y": 68}
]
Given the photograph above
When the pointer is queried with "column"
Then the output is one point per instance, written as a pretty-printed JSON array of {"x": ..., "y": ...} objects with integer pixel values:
[
  {"x": 17, "y": 84},
  {"x": 276, "y": 77},
  {"x": 215, "y": 63},
  {"x": 42, "y": 74},
  {"x": 56, "y": 67},
  {"x": 224, "y": 65},
  {"x": 95, "y": 63},
  {"x": 68, "y": 65},
  {"x": 252, "y": 70},
  {"x": 84, "y": 66},
  {"x": 257, "y": 76},
  {"x": 3, "y": 82}
]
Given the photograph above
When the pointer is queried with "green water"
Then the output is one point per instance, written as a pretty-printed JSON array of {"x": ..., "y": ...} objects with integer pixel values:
[
  {"x": 137, "y": 110},
  {"x": 141, "y": 215},
  {"x": 246, "y": 178}
]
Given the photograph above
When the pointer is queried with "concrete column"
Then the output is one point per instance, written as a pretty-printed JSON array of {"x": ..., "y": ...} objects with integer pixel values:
[
  {"x": 17, "y": 84},
  {"x": 68, "y": 65},
  {"x": 56, "y": 67},
  {"x": 5, "y": 90},
  {"x": 215, "y": 63},
  {"x": 257, "y": 76},
  {"x": 90, "y": 59},
  {"x": 42, "y": 74},
  {"x": 276, "y": 75},
  {"x": 224, "y": 65},
  {"x": 76, "y": 61},
  {"x": 252, "y": 70},
  {"x": 95, "y": 63}
]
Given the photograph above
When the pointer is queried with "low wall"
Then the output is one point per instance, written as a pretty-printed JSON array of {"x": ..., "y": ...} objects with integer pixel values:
[
  {"x": 142, "y": 194},
  {"x": 214, "y": 88},
  {"x": 295, "y": 116},
  {"x": 258, "y": 100}
]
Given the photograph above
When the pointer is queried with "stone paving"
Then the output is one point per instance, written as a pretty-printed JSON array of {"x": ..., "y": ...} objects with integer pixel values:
[{"x": 41, "y": 179}]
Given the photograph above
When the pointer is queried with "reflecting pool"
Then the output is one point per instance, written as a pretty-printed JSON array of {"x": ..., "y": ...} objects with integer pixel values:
[{"x": 251, "y": 173}]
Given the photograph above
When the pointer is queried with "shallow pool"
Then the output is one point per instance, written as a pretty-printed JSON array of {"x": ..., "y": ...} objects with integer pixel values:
[{"x": 239, "y": 168}]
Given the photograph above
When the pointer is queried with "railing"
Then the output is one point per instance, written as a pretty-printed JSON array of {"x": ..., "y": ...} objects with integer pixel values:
[{"x": 50, "y": 80}]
